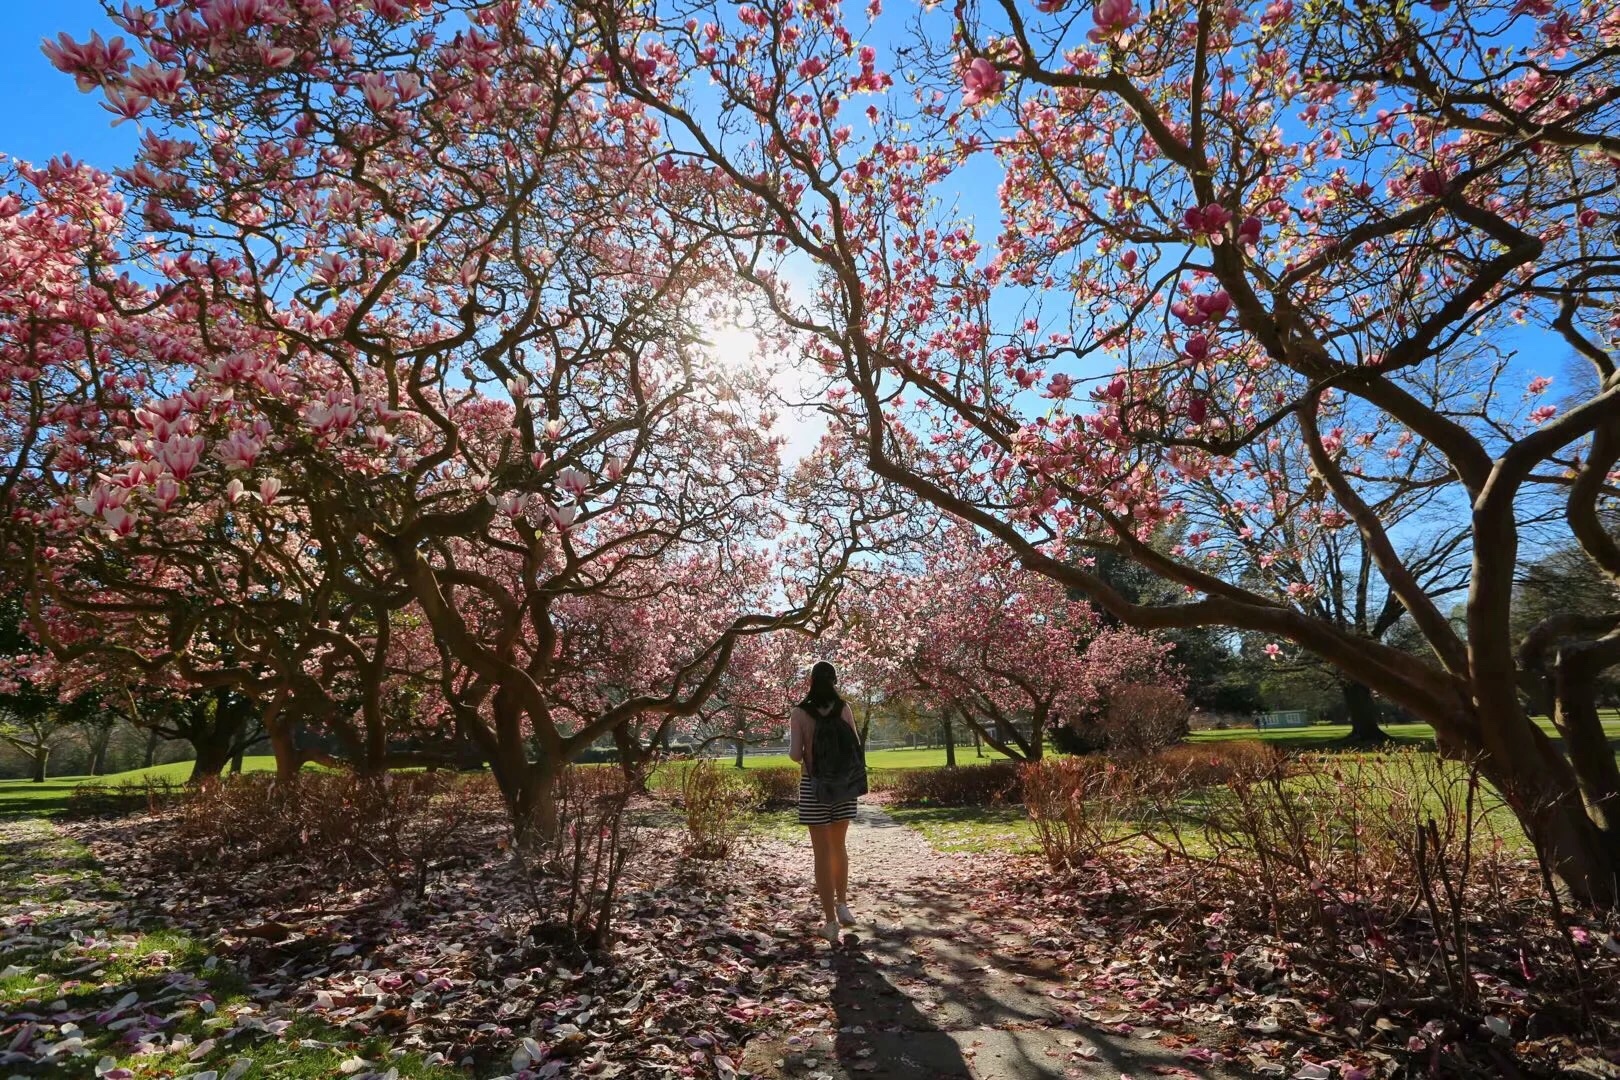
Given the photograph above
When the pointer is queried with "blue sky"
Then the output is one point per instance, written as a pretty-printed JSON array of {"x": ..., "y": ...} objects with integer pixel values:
[{"x": 44, "y": 114}]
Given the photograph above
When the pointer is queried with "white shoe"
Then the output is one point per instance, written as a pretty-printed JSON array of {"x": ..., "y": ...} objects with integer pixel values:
[
  {"x": 846, "y": 916},
  {"x": 830, "y": 931}
]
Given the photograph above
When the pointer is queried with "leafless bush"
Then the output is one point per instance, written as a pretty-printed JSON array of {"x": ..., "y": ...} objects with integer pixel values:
[
  {"x": 574, "y": 873},
  {"x": 95, "y": 799},
  {"x": 1077, "y": 806},
  {"x": 718, "y": 805},
  {"x": 1142, "y": 719},
  {"x": 968, "y": 785},
  {"x": 1081, "y": 807},
  {"x": 776, "y": 787},
  {"x": 392, "y": 829},
  {"x": 1350, "y": 851}
]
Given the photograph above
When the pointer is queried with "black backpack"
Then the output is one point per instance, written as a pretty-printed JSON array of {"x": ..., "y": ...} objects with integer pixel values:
[{"x": 837, "y": 759}]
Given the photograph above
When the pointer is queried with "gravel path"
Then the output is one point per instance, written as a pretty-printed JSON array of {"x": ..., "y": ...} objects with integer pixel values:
[{"x": 921, "y": 989}]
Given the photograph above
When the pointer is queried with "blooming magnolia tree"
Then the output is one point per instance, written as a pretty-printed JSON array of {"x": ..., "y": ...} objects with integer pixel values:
[
  {"x": 1008, "y": 650},
  {"x": 1225, "y": 229},
  {"x": 422, "y": 344}
]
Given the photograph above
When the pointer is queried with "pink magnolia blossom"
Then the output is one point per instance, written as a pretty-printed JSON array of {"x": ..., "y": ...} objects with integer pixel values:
[
  {"x": 119, "y": 520},
  {"x": 331, "y": 418},
  {"x": 378, "y": 93},
  {"x": 165, "y": 492},
  {"x": 269, "y": 488},
  {"x": 181, "y": 455},
  {"x": 573, "y": 482},
  {"x": 512, "y": 504},
  {"x": 1113, "y": 18},
  {"x": 125, "y": 105},
  {"x": 90, "y": 63},
  {"x": 981, "y": 82},
  {"x": 1209, "y": 222},
  {"x": 239, "y": 451},
  {"x": 562, "y": 516},
  {"x": 103, "y": 497},
  {"x": 1248, "y": 233}
]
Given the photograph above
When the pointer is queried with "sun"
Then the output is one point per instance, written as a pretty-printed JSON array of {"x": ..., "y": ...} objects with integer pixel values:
[{"x": 733, "y": 347}]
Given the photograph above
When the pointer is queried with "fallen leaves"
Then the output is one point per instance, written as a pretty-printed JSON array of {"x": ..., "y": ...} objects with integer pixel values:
[
  {"x": 140, "y": 968},
  {"x": 1305, "y": 1007},
  {"x": 700, "y": 962}
]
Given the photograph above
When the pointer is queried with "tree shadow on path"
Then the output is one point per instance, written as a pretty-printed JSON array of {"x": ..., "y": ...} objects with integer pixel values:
[{"x": 925, "y": 989}]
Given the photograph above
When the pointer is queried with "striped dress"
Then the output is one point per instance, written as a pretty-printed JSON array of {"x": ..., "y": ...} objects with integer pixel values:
[{"x": 812, "y": 811}]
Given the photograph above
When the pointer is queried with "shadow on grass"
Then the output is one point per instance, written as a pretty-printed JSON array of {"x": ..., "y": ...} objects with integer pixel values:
[
  {"x": 24, "y": 798},
  {"x": 1001, "y": 827}
]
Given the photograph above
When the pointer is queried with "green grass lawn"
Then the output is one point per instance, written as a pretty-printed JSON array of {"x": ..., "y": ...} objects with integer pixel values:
[
  {"x": 1315, "y": 737},
  {"x": 921, "y": 758},
  {"x": 970, "y": 828},
  {"x": 1318, "y": 736},
  {"x": 24, "y": 798}
]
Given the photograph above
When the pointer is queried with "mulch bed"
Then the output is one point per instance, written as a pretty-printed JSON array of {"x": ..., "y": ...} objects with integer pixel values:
[{"x": 1331, "y": 1001}]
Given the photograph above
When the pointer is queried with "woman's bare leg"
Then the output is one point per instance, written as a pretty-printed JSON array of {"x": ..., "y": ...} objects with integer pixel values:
[
  {"x": 840, "y": 861},
  {"x": 821, "y": 842}
]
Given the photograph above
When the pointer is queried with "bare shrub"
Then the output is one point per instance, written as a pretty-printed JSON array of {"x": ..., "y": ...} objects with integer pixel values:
[
  {"x": 718, "y": 807},
  {"x": 96, "y": 799},
  {"x": 573, "y": 874},
  {"x": 1348, "y": 850},
  {"x": 967, "y": 785},
  {"x": 1397, "y": 880},
  {"x": 1142, "y": 719},
  {"x": 1077, "y": 806},
  {"x": 1217, "y": 763},
  {"x": 776, "y": 787},
  {"x": 392, "y": 829}
]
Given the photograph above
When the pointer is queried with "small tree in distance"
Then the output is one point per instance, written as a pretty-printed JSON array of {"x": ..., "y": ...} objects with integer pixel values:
[{"x": 1008, "y": 651}]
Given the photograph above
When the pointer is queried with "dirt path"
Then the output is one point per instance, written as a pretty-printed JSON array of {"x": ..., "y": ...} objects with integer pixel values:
[{"x": 923, "y": 989}]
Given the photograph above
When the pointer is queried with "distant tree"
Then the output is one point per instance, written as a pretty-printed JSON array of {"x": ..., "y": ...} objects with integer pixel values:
[
  {"x": 1220, "y": 679},
  {"x": 1560, "y": 592},
  {"x": 29, "y": 718},
  {"x": 1009, "y": 652},
  {"x": 96, "y": 728}
]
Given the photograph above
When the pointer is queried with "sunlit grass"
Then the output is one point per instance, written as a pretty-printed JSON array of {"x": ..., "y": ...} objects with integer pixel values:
[{"x": 24, "y": 798}]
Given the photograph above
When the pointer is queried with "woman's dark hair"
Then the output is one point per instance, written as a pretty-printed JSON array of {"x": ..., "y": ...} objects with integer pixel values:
[{"x": 823, "y": 688}]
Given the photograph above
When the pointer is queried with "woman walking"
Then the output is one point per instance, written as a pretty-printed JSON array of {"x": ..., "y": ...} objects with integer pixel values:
[{"x": 832, "y": 767}]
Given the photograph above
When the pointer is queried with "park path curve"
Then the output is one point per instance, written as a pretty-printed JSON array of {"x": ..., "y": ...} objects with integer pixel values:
[{"x": 924, "y": 989}]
